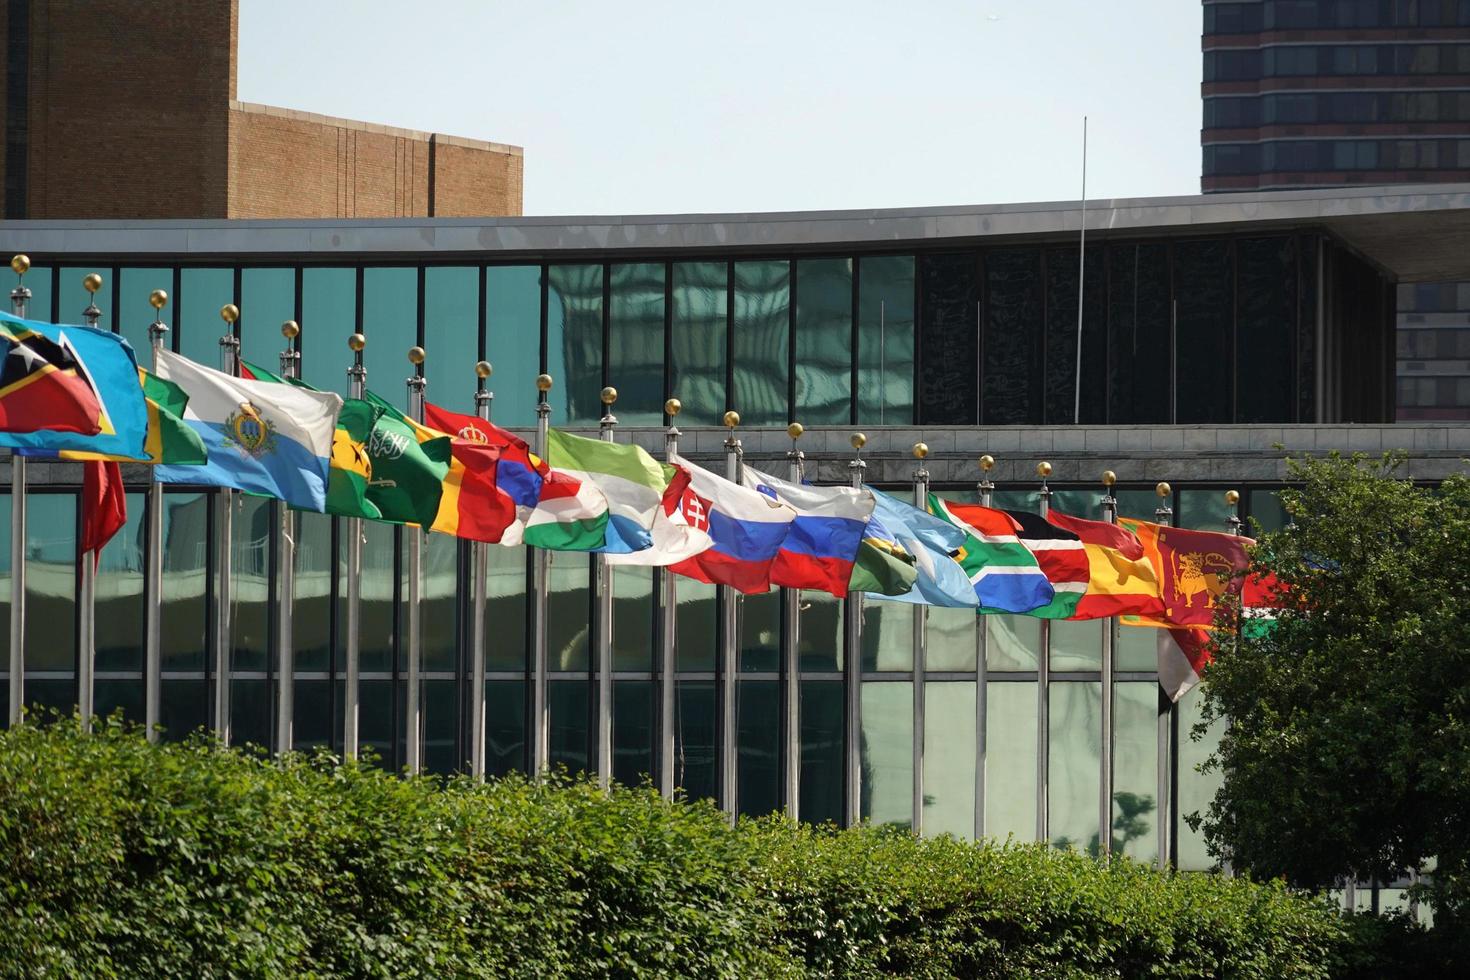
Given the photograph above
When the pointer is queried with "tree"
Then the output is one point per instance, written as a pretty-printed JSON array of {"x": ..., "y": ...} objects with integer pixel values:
[{"x": 1346, "y": 743}]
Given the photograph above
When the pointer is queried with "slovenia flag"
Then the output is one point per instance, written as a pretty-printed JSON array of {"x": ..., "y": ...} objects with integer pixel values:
[{"x": 265, "y": 438}]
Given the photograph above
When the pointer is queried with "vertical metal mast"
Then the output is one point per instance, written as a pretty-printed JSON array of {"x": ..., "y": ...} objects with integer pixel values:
[
  {"x": 19, "y": 297},
  {"x": 413, "y": 719},
  {"x": 791, "y": 662},
  {"x": 1043, "y": 698},
  {"x": 1109, "y": 696},
  {"x": 540, "y": 708},
  {"x": 286, "y": 581},
  {"x": 1165, "y": 516},
  {"x": 352, "y": 529},
  {"x": 982, "y": 679},
  {"x": 87, "y": 614},
  {"x": 153, "y": 624},
  {"x": 605, "y": 625},
  {"x": 1081, "y": 278},
  {"x": 852, "y": 672},
  {"x": 729, "y": 664},
  {"x": 667, "y": 664},
  {"x": 921, "y": 655},
  {"x": 229, "y": 348},
  {"x": 479, "y": 596}
]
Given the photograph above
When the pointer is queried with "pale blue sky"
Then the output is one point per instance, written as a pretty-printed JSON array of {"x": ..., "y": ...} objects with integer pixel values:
[{"x": 647, "y": 106}]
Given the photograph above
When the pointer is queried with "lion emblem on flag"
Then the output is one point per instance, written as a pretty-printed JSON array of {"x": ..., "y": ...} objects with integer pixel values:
[{"x": 1196, "y": 572}]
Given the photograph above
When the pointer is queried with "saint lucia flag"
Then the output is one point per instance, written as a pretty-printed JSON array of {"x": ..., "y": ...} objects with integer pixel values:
[{"x": 266, "y": 438}]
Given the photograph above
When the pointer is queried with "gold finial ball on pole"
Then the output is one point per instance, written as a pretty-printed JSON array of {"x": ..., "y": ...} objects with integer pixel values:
[
  {"x": 229, "y": 313},
  {"x": 290, "y": 329},
  {"x": 795, "y": 430},
  {"x": 91, "y": 282},
  {"x": 1163, "y": 489},
  {"x": 483, "y": 369},
  {"x": 858, "y": 440},
  {"x": 20, "y": 264},
  {"x": 1109, "y": 478},
  {"x": 921, "y": 450},
  {"x": 416, "y": 356},
  {"x": 158, "y": 299},
  {"x": 732, "y": 419},
  {"x": 673, "y": 407},
  {"x": 609, "y": 395},
  {"x": 543, "y": 382},
  {"x": 356, "y": 342},
  {"x": 987, "y": 462},
  {"x": 1043, "y": 469},
  {"x": 1232, "y": 497}
]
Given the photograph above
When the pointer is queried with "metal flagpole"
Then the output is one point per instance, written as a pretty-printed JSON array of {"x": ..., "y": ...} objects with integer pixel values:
[
  {"x": 852, "y": 672},
  {"x": 153, "y": 623},
  {"x": 540, "y": 707},
  {"x": 286, "y": 581},
  {"x": 352, "y": 528},
  {"x": 1081, "y": 277},
  {"x": 1043, "y": 698},
  {"x": 19, "y": 297},
  {"x": 413, "y": 715},
  {"x": 729, "y": 648},
  {"x": 1109, "y": 696},
  {"x": 921, "y": 655},
  {"x": 667, "y": 661},
  {"x": 605, "y": 625},
  {"x": 479, "y": 596},
  {"x": 1237, "y": 528},
  {"x": 791, "y": 663},
  {"x": 982, "y": 679},
  {"x": 229, "y": 348},
  {"x": 87, "y": 614},
  {"x": 1165, "y": 515}
]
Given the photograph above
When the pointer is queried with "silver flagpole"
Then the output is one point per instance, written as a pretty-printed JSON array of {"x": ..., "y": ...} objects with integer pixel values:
[
  {"x": 729, "y": 650},
  {"x": 982, "y": 675},
  {"x": 1237, "y": 528},
  {"x": 791, "y": 666},
  {"x": 852, "y": 672},
  {"x": 605, "y": 625},
  {"x": 479, "y": 596},
  {"x": 1165, "y": 515},
  {"x": 414, "y": 542},
  {"x": 667, "y": 663},
  {"x": 1043, "y": 698},
  {"x": 921, "y": 655},
  {"x": 87, "y": 614},
  {"x": 286, "y": 581},
  {"x": 153, "y": 623},
  {"x": 229, "y": 349},
  {"x": 1109, "y": 738},
  {"x": 540, "y": 706},
  {"x": 352, "y": 528},
  {"x": 19, "y": 297}
]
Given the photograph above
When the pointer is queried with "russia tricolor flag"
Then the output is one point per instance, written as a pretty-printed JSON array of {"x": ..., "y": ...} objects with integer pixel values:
[{"x": 830, "y": 521}]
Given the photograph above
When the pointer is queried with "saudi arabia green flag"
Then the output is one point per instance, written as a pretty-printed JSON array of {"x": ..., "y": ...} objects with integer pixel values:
[
  {"x": 347, "y": 481},
  {"x": 409, "y": 466}
]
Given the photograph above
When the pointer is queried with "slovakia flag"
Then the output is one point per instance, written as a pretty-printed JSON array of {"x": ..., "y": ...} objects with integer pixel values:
[{"x": 830, "y": 522}]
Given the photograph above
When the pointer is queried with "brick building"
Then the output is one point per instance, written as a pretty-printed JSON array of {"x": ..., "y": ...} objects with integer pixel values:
[{"x": 128, "y": 109}]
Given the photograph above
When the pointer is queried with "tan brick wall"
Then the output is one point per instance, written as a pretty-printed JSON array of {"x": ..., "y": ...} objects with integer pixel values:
[{"x": 473, "y": 183}]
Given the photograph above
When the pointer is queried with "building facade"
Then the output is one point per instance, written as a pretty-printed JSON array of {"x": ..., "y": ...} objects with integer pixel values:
[
  {"x": 1220, "y": 334},
  {"x": 128, "y": 109},
  {"x": 1328, "y": 93}
]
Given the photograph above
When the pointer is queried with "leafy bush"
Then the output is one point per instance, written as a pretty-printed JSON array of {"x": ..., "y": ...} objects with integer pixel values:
[{"x": 124, "y": 859}]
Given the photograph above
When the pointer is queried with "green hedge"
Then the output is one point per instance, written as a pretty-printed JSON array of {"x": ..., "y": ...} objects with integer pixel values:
[{"x": 122, "y": 859}]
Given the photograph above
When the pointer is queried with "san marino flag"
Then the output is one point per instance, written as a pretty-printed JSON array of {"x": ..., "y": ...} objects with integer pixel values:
[{"x": 266, "y": 438}]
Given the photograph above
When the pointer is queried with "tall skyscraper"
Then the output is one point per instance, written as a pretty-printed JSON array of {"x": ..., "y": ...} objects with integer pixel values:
[{"x": 1322, "y": 93}]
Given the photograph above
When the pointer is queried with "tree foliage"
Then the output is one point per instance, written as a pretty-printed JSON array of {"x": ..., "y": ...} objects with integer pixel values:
[{"x": 1346, "y": 727}]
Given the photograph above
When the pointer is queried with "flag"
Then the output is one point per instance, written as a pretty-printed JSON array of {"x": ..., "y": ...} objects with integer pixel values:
[
  {"x": 821, "y": 548},
  {"x": 41, "y": 384},
  {"x": 1006, "y": 576},
  {"x": 570, "y": 514},
  {"x": 631, "y": 481},
  {"x": 1060, "y": 556},
  {"x": 104, "y": 506},
  {"x": 106, "y": 361},
  {"x": 884, "y": 566},
  {"x": 352, "y": 469},
  {"x": 1183, "y": 652},
  {"x": 1193, "y": 568},
  {"x": 938, "y": 578},
  {"x": 1120, "y": 580},
  {"x": 260, "y": 437},
  {"x": 169, "y": 439}
]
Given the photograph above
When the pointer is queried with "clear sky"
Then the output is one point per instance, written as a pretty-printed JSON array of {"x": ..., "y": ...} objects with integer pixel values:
[{"x": 646, "y": 106}]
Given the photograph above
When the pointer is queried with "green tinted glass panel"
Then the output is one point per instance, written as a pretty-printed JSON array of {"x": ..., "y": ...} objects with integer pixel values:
[
  {"x": 697, "y": 341},
  {"x": 315, "y": 724},
  {"x": 1010, "y": 760},
  {"x": 761, "y": 327},
  {"x": 375, "y": 635},
  {"x": 760, "y": 632},
  {"x": 1196, "y": 790},
  {"x": 1205, "y": 510},
  {"x": 633, "y": 713},
  {"x": 251, "y": 532},
  {"x": 1076, "y": 715},
  {"x": 951, "y": 635},
  {"x": 38, "y": 281},
  {"x": 5, "y": 562},
  {"x": 1266, "y": 510},
  {"x": 758, "y": 761},
  {"x": 120, "y": 600},
  {"x": 1137, "y": 648},
  {"x": 574, "y": 343},
  {"x": 1135, "y": 771},
  {"x": 439, "y": 612},
  {"x": 328, "y": 318},
  {"x": 696, "y": 629},
  {"x": 505, "y": 727},
  {"x": 635, "y": 354},
  {"x": 949, "y": 758},
  {"x": 441, "y": 727},
  {"x": 452, "y": 336},
  {"x": 250, "y": 711},
  {"x": 821, "y": 751},
  {"x": 311, "y": 620},
  {"x": 1012, "y": 642},
  {"x": 513, "y": 340},
  {"x": 135, "y": 313},
  {"x": 888, "y": 752},
  {"x": 1076, "y": 646},
  {"x": 390, "y": 299},
  {"x": 201, "y": 294},
  {"x": 885, "y": 351},
  {"x": 51, "y": 581},
  {"x": 823, "y": 341},
  {"x": 694, "y": 739},
  {"x": 633, "y": 605},
  {"x": 568, "y": 703},
  {"x": 267, "y": 299},
  {"x": 183, "y": 707},
  {"x": 186, "y": 570},
  {"x": 821, "y": 631},
  {"x": 505, "y": 609},
  {"x": 888, "y": 635},
  {"x": 73, "y": 296},
  {"x": 568, "y": 612}
]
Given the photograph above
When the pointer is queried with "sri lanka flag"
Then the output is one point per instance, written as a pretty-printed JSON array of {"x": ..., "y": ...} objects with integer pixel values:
[
  {"x": 1120, "y": 579},
  {"x": 821, "y": 548},
  {"x": 1005, "y": 574},
  {"x": 260, "y": 437}
]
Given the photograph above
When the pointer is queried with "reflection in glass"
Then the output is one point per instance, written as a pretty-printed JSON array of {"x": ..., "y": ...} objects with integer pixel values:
[
  {"x": 821, "y": 632},
  {"x": 136, "y": 313},
  {"x": 1137, "y": 648},
  {"x": 47, "y": 692},
  {"x": 887, "y": 752},
  {"x": 376, "y": 619},
  {"x": 1010, "y": 760},
  {"x": 888, "y": 635},
  {"x": 328, "y": 318},
  {"x": 505, "y": 609},
  {"x": 1076, "y": 719},
  {"x": 439, "y": 617},
  {"x": 377, "y": 720},
  {"x": 632, "y": 731},
  {"x": 1198, "y": 789},
  {"x": 695, "y": 629},
  {"x": 1076, "y": 646},
  {"x": 268, "y": 299},
  {"x": 125, "y": 695},
  {"x": 186, "y": 571},
  {"x": 951, "y": 639},
  {"x": 441, "y": 727},
  {"x": 821, "y": 751},
  {"x": 251, "y": 703},
  {"x": 694, "y": 739},
  {"x": 823, "y": 341},
  {"x": 633, "y": 646},
  {"x": 759, "y": 629},
  {"x": 949, "y": 758},
  {"x": 568, "y": 612},
  {"x": 1203, "y": 509},
  {"x": 38, "y": 281},
  {"x": 201, "y": 294},
  {"x": 251, "y": 531},
  {"x": 568, "y": 701},
  {"x": 452, "y": 336},
  {"x": 761, "y": 326},
  {"x": 5, "y": 564},
  {"x": 120, "y": 600},
  {"x": 886, "y": 340},
  {"x": 1266, "y": 509},
  {"x": 574, "y": 343},
  {"x": 182, "y": 707},
  {"x": 1012, "y": 642},
  {"x": 505, "y": 727},
  {"x": 759, "y": 748},
  {"x": 316, "y": 724},
  {"x": 635, "y": 352},
  {"x": 513, "y": 339},
  {"x": 311, "y": 619},
  {"x": 1135, "y": 770},
  {"x": 73, "y": 296},
  {"x": 51, "y": 581},
  {"x": 390, "y": 298},
  {"x": 697, "y": 340}
]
